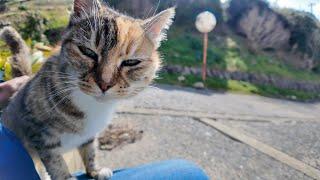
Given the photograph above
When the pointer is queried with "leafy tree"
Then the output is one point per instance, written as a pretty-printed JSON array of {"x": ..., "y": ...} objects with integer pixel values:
[
  {"x": 187, "y": 10},
  {"x": 33, "y": 27},
  {"x": 301, "y": 25}
]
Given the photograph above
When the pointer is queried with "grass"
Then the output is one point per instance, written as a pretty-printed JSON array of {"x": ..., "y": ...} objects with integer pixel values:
[
  {"x": 227, "y": 54},
  {"x": 186, "y": 50},
  {"x": 239, "y": 87}
]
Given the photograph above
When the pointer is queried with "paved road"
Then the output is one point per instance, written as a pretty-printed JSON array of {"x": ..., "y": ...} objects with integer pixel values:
[{"x": 288, "y": 126}]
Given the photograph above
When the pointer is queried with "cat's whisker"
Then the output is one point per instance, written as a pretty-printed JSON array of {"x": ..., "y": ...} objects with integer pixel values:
[
  {"x": 60, "y": 101},
  {"x": 47, "y": 111},
  {"x": 57, "y": 72},
  {"x": 58, "y": 92},
  {"x": 60, "y": 73},
  {"x": 147, "y": 15},
  {"x": 65, "y": 76},
  {"x": 61, "y": 78},
  {"x": 56, "y": 84},
  {"x": 64, "y": 89},
  {"x": 155, "y": 11},
  {"x": 56, "y": 105},
  {"x": 58, "y": 76}
]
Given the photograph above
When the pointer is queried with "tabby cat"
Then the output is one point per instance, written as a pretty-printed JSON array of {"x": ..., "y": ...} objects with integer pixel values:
[{"x": 105, "y": 57}]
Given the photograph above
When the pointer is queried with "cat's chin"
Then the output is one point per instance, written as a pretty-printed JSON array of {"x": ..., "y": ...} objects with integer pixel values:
[
  {"x": 103, "y": 98},
  {"x": 109, "y": 96},
  {"x": 106, "y": 98}
]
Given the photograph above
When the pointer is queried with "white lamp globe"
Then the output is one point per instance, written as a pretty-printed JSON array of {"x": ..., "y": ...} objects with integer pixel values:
[{"x": 206, "y": 22}]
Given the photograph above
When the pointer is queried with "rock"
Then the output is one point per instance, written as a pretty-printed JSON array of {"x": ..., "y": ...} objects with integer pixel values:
[
  {"x": 181, "y": 78},
  {"x": 199, "y": 85},
  {"x": 294, "y": 97}
]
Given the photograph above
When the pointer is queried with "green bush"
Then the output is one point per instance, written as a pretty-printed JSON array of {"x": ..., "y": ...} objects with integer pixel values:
[
  {"x": 302, "y": 25},
  {"x": 22, "y": 8},
  {"x": 33, "y": 27}
]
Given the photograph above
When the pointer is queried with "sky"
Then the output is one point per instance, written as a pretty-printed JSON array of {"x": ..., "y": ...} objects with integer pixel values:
[{"x": 298, "y": 4}]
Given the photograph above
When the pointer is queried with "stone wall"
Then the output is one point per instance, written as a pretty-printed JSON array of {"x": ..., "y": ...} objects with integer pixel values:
[{"x": 260, "y": 79}]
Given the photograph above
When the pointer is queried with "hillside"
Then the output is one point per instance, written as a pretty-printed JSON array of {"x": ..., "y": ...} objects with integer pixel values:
[
  {"x": 237, "y": 61},
  {"x": 293, "y": 36}
]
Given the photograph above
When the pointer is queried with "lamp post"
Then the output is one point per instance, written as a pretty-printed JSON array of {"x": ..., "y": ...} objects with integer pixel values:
[
  {"x": 312, "y": 4},
  {"x": 205, "y": 23}
]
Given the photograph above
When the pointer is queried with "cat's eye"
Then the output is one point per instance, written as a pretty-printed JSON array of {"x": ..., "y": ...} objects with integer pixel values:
[
  {"x": 131, "y": 62},
  {"x": 89, "y": 53}
]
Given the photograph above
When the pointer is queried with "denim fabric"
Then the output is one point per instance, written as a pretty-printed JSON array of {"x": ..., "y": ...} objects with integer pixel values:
[
  {"x": 165, "y": 170},
  {"x": 16, "y": 164}
]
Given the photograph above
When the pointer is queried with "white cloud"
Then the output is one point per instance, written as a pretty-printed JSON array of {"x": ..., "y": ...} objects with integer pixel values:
[
  {"x": 290, "y": 3},
  {"x": 300, "y": 5},
  {"x": 297, "y": 4},
  {"x": 317, "y": 10}
]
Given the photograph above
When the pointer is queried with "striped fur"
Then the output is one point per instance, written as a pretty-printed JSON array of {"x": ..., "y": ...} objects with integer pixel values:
[{"x": 72, "y": 97}]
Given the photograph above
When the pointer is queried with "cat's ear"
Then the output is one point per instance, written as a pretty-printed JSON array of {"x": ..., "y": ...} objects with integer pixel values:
[
  {"x": 85, "y": 7},
  {"x": 156, "y": 27}
]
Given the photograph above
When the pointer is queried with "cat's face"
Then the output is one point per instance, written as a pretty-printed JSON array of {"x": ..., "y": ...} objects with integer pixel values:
[{"x": 114, "y": 56}]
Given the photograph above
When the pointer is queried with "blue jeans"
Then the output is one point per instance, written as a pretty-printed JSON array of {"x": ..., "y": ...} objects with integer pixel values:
[{"x": 16, "y": 164}]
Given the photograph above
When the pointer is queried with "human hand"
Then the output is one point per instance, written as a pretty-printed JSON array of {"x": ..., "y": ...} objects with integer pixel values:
[{"x": 8, "y": 88}]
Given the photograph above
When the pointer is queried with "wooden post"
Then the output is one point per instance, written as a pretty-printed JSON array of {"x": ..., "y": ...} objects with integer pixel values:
[{"x": 205, "y": 49}]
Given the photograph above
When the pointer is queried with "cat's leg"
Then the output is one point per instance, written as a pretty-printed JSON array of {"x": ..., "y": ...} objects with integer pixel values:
[
  {"x": 41, "y": 169},
  {"x": 55, "y": 165},
  {"x": 88, "y": 153}
]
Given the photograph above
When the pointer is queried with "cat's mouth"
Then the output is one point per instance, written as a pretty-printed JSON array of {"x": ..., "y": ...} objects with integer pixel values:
[
  {"x": 103, "y": 97},
  {"x": 112, "y": 93},
  {"x": 100, "y": 96}
]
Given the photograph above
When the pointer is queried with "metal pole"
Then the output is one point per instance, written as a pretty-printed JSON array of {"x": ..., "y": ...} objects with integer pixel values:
[
  {"x": 205, "y": 48},
  {"x": 311, "y": 7}
]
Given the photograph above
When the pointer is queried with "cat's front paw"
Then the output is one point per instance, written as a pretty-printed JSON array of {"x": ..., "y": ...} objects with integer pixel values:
[{"x": 104, "y": 174}]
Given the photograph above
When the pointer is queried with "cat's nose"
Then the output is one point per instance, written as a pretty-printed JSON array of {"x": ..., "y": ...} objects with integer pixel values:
[{"x": 105, "y": 86}]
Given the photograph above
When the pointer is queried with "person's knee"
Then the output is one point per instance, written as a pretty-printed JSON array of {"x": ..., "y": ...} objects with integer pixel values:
[
  {"x": 187, "y": 169},
  {"x": 173, "y": 169}
]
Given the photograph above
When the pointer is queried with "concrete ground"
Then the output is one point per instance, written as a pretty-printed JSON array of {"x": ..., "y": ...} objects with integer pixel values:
[{"x": 290, "y": 127}]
